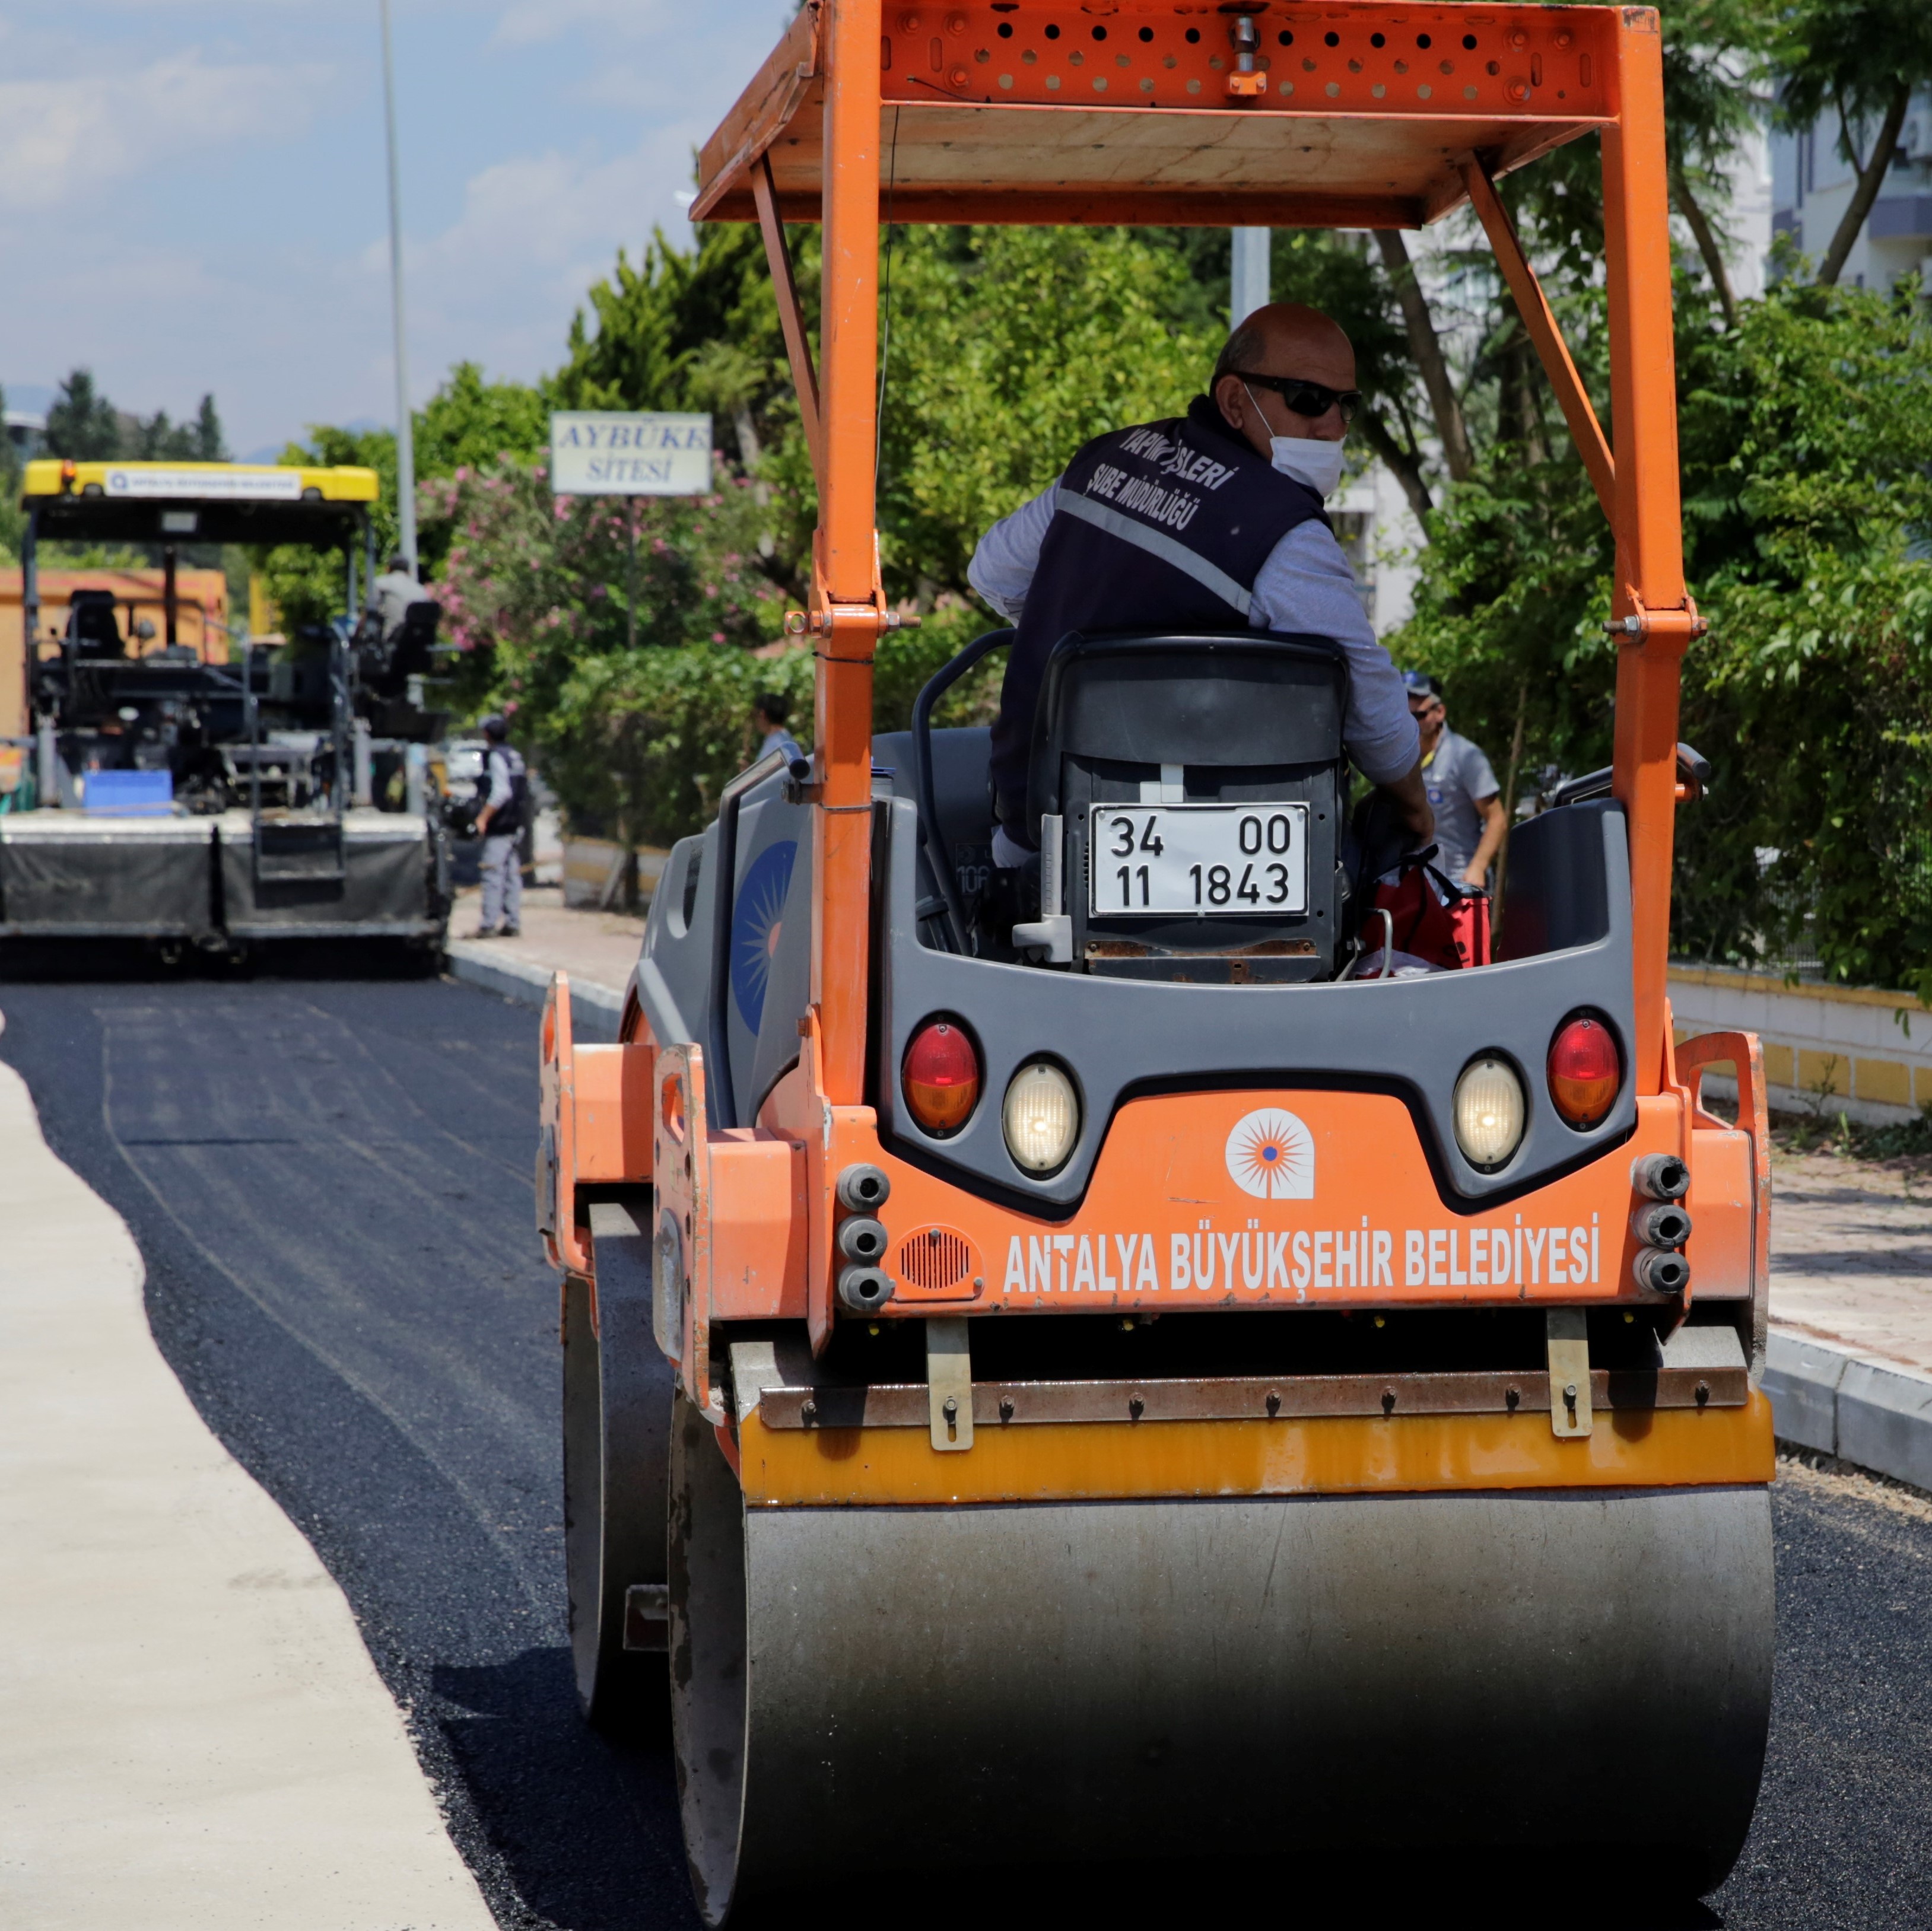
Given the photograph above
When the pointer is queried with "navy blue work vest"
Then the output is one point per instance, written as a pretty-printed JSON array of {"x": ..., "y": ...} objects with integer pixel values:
[
  {"x": 508, "y": 819},
  {"x": 1164, "y": 527}
]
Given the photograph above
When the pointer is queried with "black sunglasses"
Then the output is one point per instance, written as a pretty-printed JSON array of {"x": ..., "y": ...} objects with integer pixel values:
[{"x": 1309, "y": 399}]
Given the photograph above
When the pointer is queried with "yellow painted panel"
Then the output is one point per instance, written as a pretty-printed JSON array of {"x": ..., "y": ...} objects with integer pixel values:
[
  {"x": 1922, "y": 1086},
  {"x": 1884, "y": 1080},
  {"x": 1298, "y": 1455},
  {"x": 1830, "y": 1072},
  {"x": 1778, "y": 1069}
]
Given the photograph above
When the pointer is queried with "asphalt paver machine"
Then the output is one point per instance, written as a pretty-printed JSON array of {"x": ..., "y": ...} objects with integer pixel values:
[
  {"x": 1136, "y": 1392},
  {"x": 193, "y": 803}
]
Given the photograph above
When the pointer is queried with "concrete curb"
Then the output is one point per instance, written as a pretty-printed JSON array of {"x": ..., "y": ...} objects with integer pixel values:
[
  {"x": 1848, "y": 1406},
  {"x": 595, "y": 1010},
  {"x": 196, "y": 1739}
]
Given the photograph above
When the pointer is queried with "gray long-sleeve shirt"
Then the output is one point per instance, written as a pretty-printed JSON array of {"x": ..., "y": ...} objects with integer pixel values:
[{"x": 1305, "y": 585}]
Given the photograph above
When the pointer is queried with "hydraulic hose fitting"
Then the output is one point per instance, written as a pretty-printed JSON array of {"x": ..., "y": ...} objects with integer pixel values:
[
  {"x": 862, "y": 1239},
  {"x": 1660, "y": 1177},
  {"x": 864, "y": 1290},
  {"x": 1658, "y": 1271},
  {"x": 1662, "y": 1223},
  {"x": 863, "y": 1188}
]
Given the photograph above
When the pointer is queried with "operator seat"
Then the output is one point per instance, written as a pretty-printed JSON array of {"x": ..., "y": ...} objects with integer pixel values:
[
  {"x": 91, "y": 627},
  {"x": 1156, "y": 721}
]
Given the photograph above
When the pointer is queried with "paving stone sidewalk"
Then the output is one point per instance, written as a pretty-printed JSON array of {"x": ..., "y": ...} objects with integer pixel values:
[{"x": 1851, "y": 1255}]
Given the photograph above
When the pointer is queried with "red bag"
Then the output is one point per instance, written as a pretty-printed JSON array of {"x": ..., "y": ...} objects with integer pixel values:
[{"x": 1448, "y": 936}]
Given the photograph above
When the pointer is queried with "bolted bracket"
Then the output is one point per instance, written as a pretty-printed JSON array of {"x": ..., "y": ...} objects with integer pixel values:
[
  {"x": 949, "y": 1378},
  {"x": 1569, "y": 1345}
]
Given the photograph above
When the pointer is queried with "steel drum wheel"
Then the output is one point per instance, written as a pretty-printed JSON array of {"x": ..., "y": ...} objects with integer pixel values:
[
  {"x": 854, "y": 1689},
  {"x": 617, "y": 1411}
]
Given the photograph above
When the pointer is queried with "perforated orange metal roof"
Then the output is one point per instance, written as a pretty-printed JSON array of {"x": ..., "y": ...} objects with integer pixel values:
[{"x": 1014, "y": 110}]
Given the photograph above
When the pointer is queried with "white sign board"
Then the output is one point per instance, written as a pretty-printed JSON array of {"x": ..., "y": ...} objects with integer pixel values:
[
  {"x": 240, "y": 485},
  {"x": 607, "y": 453}
]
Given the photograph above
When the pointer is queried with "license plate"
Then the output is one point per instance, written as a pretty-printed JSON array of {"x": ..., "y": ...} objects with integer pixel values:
[{"x": 1212, "y": 861}]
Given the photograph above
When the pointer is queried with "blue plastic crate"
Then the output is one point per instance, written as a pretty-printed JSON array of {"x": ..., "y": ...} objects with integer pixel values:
[{"x": 129, "y": 794}]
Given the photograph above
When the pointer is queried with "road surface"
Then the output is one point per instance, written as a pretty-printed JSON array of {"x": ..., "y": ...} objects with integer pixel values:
[{"x": 330, "y": 1183}]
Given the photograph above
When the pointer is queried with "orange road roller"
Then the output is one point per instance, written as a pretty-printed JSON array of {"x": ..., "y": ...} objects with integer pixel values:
[{"x": 1101, "y": 1379}]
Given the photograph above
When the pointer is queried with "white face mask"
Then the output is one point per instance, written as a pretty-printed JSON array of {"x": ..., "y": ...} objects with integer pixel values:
[{"x": 1307, "y": 459}]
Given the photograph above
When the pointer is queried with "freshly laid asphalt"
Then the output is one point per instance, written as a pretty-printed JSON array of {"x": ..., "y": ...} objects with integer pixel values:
[{"x": 330, "y": 1184}]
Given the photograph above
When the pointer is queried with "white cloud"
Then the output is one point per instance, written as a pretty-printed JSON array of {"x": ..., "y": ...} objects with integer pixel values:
[
  {"x": 61, "y": 138},
  {"x": 499, "y": 284},
  {"x": 525, "y": 22}
]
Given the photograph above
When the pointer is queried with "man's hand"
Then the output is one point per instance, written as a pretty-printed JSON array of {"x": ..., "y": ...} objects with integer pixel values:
[
  {"x": 483, "y": 818},
  {"x": 1411, "y": 802},
  {"x": 1476, "y": 875}
]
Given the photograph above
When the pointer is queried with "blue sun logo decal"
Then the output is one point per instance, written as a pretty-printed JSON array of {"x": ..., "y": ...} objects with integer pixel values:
[
  {"x": 757, "y": 920},
  {"x": 1271, "y": 1155}
]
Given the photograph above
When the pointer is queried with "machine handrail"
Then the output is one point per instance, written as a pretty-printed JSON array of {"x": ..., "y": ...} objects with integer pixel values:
[
  {"x": 720, "y": 1092},
  {"x": 931, "y": 834},
  {"x": 1693, "y": 778}
]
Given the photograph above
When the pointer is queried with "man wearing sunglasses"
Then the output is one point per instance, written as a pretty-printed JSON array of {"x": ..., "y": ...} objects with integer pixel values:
[{"x": 1197, "y": 523}]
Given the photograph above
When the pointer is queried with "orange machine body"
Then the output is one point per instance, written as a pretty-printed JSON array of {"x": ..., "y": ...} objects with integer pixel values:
[{"x": 1364, "y": 114}]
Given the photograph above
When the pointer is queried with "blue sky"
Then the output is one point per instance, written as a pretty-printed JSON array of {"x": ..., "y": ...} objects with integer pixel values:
[{"x": 192, "y": 193}]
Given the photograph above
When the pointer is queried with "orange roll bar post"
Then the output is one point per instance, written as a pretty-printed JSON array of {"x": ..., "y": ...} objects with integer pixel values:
[
  {"x": 1656, "y": 620},
  {"x": 848, "y": 604},
  {"x": 1554, "y": 352}
]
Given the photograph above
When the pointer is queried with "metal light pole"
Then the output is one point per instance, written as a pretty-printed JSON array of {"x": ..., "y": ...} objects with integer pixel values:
[
  {"x": 1249, "y": 276},
  {"x": 406, "y": 447}
]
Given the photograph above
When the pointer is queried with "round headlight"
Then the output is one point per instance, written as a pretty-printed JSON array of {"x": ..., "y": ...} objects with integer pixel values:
[
  {"x": 1041, "y": 1117},
  {"x": 1488, "y": 1112}
]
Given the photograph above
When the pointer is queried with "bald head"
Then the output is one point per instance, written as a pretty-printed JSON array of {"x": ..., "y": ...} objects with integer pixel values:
[{"x": 1285, "y": 338}]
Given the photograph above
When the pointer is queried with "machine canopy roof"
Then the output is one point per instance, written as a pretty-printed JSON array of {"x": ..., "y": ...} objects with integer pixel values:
[
  {"x": 1350, "y": 115},
  {"x": 196, "y": 502}
]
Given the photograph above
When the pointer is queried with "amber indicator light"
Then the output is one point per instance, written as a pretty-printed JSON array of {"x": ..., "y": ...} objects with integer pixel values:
[
  {"x": 941, "y": 1077},
  {"x": 1584, "y": 1071}
]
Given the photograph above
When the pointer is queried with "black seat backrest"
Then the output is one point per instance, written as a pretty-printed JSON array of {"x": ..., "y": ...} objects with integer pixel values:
[
  {"x": 1249, "y": 717},
  {"x": 91, "y": 625},
  {"x": 963, "y": 794}
]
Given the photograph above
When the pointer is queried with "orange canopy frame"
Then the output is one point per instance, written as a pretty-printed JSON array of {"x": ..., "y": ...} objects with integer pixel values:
[{"x": 1370, "y": 115}]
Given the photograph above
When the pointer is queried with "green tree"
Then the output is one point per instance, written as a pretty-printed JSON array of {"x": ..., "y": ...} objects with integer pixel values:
[
  {"x": 470, "y": 422},
  {"x": 1009, "y": 347},
  {"x": 210, "y": 446},
  {"x": 308, "y": 586},
  {"x": 1862, "y": 61},
  {"x": 1806, "y": 438},
  {"x": 82, "y": 423}
]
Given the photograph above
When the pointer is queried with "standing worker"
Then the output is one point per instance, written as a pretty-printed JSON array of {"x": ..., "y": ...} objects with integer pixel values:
[
  {"x": 500, "y": 825},
  {"x": 1470, "y": 820},
  {"x": 1202, "y": 521},
  {"x": 769, "y": 713}
]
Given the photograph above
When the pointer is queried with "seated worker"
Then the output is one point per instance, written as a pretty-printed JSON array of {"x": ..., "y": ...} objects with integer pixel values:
[
  {"x": 392, "y": 593},
  {"x": 1196, "y": 522}
]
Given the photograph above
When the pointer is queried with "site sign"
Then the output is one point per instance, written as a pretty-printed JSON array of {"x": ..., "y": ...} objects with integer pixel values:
[{"x": 621, "y": 453}]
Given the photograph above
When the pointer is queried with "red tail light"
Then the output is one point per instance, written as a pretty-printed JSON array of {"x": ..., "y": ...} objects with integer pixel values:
[
  {"x": 941, "y": 1077},
  {"x": 1584, "y": 1071}
]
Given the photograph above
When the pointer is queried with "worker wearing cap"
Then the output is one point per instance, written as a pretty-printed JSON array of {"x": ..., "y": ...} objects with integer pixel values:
[
  {"x": 506, "y": 786},
  {"x": 1201, "y": 522},
  {"x": 1463, "y": 794}
]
